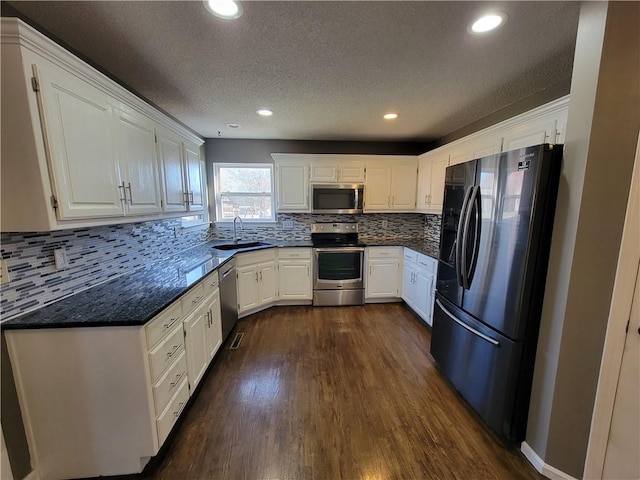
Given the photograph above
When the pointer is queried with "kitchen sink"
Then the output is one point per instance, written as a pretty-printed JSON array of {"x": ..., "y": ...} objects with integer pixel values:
[{"x": 238, "y": 246}]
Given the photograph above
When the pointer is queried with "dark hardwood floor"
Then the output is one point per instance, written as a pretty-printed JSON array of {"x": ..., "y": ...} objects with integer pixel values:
[{"x": 333, "y": 393}]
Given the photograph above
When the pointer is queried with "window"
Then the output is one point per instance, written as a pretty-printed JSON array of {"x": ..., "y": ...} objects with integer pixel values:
[{"x": 244, "y": 190}]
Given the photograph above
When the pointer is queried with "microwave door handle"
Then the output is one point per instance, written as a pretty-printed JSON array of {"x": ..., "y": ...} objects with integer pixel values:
[{"x": 355, "y": 206}]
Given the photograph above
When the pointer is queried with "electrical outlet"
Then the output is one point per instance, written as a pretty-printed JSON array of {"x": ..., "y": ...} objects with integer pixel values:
[
  {"x": 4, "y": 277},
  {"x": 60, "y": 257},
  {"x": 385, "y": 223},
  {"x": 287, "y": 224}
]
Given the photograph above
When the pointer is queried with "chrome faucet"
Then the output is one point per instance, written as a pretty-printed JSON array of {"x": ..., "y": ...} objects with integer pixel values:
[{"x": 235, "y": 238}]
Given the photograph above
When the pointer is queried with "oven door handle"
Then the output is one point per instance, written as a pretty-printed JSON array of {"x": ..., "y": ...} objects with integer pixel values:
[{"x": 339, "y": 249}]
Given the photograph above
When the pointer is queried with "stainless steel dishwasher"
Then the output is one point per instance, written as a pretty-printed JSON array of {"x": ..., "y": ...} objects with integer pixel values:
[{"x": 228, "y": 297}]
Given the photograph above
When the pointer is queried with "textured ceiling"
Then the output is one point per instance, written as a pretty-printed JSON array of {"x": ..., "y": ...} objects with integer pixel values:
[{"x": 328, "y": 70}]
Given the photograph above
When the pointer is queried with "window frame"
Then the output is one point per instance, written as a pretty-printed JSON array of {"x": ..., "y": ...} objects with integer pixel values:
[{"x": 218, "y": 193}]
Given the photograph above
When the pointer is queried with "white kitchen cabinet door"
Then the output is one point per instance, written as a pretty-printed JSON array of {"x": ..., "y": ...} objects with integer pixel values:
[
  {"x": 534, "y": 132},
  {"x": 408, "y": 272},
  {"x": 196, "y": 345},
  {"x": 292, "y": 187},
  {"x": 77, "y": 120},
  {"x": 324, "y": 172},
  {"x": 423, "y": 283},
  {"x": 382, "y": 278},
  {"x": 377, "y": 191},
  {"x": 438, "y": 170},
  {"x": 196, "y": 178},
  {"x": 138, "y": 164},
  {"x": 424, "y": 183},
  {"x": 268, "y": 283},
  {"x": 214, "y": 324},
  {"x": 351, "y": 172},
  {"x": 248, "y": 292},
  {"x": 403, "y": 186},
  {"x": 294, "y": 279},
  {"x": 172, "y": 172}
]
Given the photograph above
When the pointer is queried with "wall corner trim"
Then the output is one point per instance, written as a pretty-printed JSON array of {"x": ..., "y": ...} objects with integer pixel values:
[{"x": 547, "y": 470}]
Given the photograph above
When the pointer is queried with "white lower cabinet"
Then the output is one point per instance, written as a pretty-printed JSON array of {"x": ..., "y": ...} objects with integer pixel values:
[
  {"x": 112, "y": 393},
  {"x": 195, "y": 336},
  {"x": 383, "y": 278},
  {"x": 294, "y": 275},
  {"x": 257, "y": 280},
  {"x": 418, "y": 283}
]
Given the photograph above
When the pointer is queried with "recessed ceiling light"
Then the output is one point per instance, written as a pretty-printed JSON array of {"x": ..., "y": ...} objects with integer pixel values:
[
  {"x": 233, "y": 125},
  {"x": 390, "y": 116},
  {"x": 264, "y": 112},
  {"x": 488, "y": 22},
  {"x": 228, "y": 9}
]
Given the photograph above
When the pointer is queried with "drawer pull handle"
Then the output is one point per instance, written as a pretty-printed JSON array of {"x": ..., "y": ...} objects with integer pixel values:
[
  {"x": 175, "y": 349},
  {"x": 178, "y": 378},
  {"x": 170, "y": 324},
  {"x": 180, "y": 407},
  {"x": 196, "y": 300}
]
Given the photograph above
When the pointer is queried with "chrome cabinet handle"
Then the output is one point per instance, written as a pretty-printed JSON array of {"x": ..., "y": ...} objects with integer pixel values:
[
  {"x": 172, "y": 353},
  {"x": 124, "y": 192},
  {"x": 171, "y": 322},
  {"x": 256, "y": 276},
  {"x": 178, "y": 378},
  {"x": 180, "y": 407},
  {"x": 196, "y": 300},
  {"x": 130, "y": 194},
  {"x": 260, "y": 275},
  {"x": 186, "y": 198},
  {"x": 191, "y": 195}
]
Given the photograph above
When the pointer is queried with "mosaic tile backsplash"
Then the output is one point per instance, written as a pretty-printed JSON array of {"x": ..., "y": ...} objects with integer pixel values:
[{"x": 98, "y": 254}]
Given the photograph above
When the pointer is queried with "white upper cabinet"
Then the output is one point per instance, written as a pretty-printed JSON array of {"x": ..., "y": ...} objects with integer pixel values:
[
  {"x": 196, "y": 178},
  {"x": 336, "y": 169},
  {"x": 292, "y": 183},
  {"x": 81, "y": 148},
  {"x": 526, "y": 134},
  {"x": 183, "y": 175},
  {"x": 432, "y": 167},
  {"x": 173, "y": 177},
  {"x": 138, "y": 164},
  {"x": 390, "y": 184},
  {"x": 545, "y": 124},
  {"x": 77, "y": 125}
]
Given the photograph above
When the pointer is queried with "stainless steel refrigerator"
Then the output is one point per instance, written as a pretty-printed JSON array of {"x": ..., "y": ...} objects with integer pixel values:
[{"x": 494, "y": 249}]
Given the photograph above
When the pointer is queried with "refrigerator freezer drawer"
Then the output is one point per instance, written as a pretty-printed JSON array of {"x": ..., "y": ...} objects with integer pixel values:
[{"x": 481, "y": 364}]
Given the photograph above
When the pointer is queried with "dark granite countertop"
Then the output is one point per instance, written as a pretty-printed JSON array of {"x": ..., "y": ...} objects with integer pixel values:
[{"x": 136, "y": 297}]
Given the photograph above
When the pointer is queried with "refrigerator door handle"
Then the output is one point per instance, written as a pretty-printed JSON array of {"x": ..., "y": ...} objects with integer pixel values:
[
  {"x": 459, "y": 238},
  {"x": 464, "y": 325},
  {"x": 465, "y": 238},
  {"x": 476, "y": 209}
]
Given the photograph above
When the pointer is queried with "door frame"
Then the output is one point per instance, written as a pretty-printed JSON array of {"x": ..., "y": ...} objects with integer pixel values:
[{"x": 619, "y": 313}]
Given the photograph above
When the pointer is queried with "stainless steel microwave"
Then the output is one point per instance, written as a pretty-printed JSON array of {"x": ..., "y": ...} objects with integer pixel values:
[{"x": 337, "y": 198}]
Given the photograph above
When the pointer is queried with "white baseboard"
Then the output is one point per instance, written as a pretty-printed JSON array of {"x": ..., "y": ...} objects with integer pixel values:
[{"x": 546, "y": 470}]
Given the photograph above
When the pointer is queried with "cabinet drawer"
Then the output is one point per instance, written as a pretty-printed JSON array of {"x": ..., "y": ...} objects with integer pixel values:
[
  {"x": 427, "y": 263},
  {"x": 409, "y": 255},
  {"x": 170, "y": 415},
  {"x": 192, "y": 299},
  {"x": 163, "y": 323},
  {"x": 164, "y": 354},
  {"x": 210, "y": 283},
  {"x": 383, "y": 252},
  {"x": 294, "y": 253},
  {"x": 167, "y": 385}
]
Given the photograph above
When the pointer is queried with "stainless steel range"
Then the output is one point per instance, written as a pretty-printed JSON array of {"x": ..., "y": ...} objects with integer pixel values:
[{"x": 338, "y": 264}]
